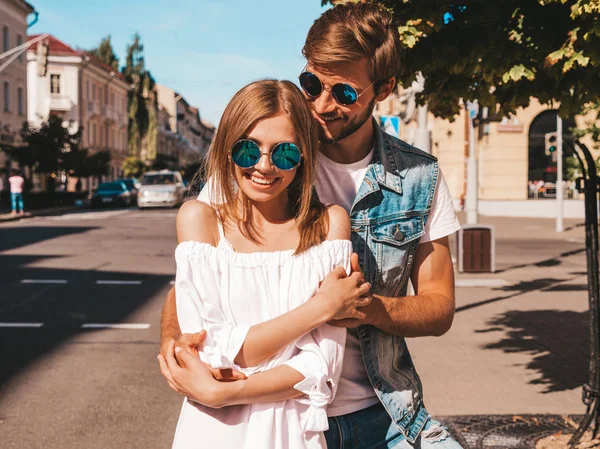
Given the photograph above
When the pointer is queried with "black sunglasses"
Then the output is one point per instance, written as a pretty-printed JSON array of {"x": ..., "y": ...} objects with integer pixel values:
[
  {"x": 285, "y": 155},
  {"x": 342, "y": 93}
]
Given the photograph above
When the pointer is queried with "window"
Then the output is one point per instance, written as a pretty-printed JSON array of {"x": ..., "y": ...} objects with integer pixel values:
[
  {"x": 94, "y": 134},
  {"x": 93, "y": 92},
  {"x": 20, "y": 101},
  {"x": 88, "y": 136},
  {"x": 5, "y": 39},
  {"x": 112, "y": 99},
  {"x": 55, "y": 83},
  {"x": 87, "y": 89},
  {"x": 6, "y": 91},
  {"x": 100, "y": 96},
  {"x": 19, "y": 43}
]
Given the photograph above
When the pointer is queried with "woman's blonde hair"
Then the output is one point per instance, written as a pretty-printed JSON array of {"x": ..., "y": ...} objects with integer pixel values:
[{"x": 255, "y": 102}]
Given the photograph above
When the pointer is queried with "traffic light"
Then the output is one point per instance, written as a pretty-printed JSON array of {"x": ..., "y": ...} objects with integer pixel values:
[{"x": 550, "y": 143}]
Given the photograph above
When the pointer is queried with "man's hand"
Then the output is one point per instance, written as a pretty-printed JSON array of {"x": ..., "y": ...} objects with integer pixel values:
[
  {"x": 192, "y": 343},
  {"x": 367, "y": 309}
]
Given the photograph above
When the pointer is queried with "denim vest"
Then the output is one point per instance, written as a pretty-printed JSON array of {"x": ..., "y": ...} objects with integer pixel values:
[{"x": 388, "y": 218}]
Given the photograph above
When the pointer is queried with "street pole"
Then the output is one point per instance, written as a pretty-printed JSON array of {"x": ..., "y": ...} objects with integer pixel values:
[
  {"x": 423, "y": 139},
  {"x": 471, "y": 198},
  {"x": 559, "y": 176}
]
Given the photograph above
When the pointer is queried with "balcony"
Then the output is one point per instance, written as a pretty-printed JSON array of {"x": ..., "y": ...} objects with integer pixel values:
[
  {"x": 93, "y": 109},
  {"x": 60, "y": 103}
]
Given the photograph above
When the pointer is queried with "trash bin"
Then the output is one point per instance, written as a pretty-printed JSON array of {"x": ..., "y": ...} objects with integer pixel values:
[{"x": 476, "y": 249}]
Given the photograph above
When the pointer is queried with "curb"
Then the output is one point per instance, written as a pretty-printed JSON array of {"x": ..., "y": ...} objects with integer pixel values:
[{"x": 40, "y": 213}]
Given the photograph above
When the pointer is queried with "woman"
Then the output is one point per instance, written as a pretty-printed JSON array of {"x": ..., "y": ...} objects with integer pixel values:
[{"x": 248, "y": 268}]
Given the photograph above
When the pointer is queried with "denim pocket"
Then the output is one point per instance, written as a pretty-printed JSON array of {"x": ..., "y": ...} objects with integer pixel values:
[{"x": 394, "y": 242}]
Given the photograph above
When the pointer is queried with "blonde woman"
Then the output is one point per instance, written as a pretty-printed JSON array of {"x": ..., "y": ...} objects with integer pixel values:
[{"x": 248, "y": 267}]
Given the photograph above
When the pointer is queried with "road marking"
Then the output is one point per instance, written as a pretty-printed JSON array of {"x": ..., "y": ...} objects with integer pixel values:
[
  {"x": 572, "y": 240},
  {"x": 43, "y": 281},
  {"x": 480, "y": 283},
  {"x": 172, "y": 283},
  {"x": 115, "y": 326},
  {"x": 21, "y": 324},
  {"x": 109, "y": 282}
]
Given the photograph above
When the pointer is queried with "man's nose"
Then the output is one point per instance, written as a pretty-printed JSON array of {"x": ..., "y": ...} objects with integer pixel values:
[{"x": 325, "y": 104}]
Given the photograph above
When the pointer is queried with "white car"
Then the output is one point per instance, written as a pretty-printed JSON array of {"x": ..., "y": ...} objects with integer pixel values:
[{"x": 161, "y": 188}]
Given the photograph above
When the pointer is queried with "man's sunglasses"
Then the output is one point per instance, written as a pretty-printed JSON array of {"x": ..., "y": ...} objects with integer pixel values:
[
  {"x": 343, "y": 93},
  {"x": 284, "y": 156}
]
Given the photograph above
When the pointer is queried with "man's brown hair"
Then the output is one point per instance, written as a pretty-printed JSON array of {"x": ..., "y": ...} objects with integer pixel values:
[{"x": 350, "y": 32}]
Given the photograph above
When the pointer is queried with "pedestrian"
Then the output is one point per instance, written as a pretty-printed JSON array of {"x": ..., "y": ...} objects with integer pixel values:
[
  {"x": 248, "y": 268},
  {"x": 16, "y": 182},
  {"x": 401, "y": 214}
]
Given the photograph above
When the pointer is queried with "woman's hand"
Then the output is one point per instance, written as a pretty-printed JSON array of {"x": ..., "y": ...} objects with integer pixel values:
[
  {"x": 189, "y": 376},
  {"x": 341, "y": 295}
]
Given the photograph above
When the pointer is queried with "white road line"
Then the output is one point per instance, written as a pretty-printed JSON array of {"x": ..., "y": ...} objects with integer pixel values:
[
  {"x": 115, "y": 326},
  {"x": 109, "y": 282},
  {"x": 172, "y": 283},
  {"x": 21, "y": 324},
  {"x": 572, "y": 240},
  {"x": 480, "y": 283},
  {"x": 43, "y": 281}
]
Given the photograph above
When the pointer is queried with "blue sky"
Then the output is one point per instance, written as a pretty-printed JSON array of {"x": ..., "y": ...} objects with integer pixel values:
[{"x": 204, "y": 49}]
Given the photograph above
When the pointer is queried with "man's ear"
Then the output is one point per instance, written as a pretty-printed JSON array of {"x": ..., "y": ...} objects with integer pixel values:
[{"x": 385, "y": 88}]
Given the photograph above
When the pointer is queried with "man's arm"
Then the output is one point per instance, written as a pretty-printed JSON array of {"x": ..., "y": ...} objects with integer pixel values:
[
  {"x": 169, "y": 325},
  {"x": 431, "y": 311}
]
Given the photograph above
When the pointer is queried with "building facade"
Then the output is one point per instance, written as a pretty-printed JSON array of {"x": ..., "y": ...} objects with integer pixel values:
[
  {"x": 182, "y": 133},
  {"x": 86, "y": 93},
  {"x": 513, "y": 167},
  {"x": 13, "y": 78}
]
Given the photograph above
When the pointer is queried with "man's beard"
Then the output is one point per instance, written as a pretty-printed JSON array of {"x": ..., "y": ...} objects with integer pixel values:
[{"x": 349, "y": 129}]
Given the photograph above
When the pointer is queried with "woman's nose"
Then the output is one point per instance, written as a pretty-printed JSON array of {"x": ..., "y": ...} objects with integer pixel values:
[{"x": 264, "y": 163}]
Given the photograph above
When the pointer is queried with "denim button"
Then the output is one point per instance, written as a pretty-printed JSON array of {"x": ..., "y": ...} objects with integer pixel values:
[{"x": 399, "y": 236}]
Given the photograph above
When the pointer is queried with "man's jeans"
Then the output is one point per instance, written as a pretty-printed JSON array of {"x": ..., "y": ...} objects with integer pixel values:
[
  {"x": 372, "y": 428},
  {"x": 16, "y": 202}
]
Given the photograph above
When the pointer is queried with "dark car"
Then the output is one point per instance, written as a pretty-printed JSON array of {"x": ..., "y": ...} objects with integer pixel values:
[
  {"x": 131, "y": 184},
  {"x": 114, "y": 193}
]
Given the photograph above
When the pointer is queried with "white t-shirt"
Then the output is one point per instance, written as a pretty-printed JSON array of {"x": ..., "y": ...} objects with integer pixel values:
[{"x": 338, "y": 184}]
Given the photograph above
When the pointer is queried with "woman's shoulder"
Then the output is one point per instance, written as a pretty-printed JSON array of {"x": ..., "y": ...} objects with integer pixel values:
[
  {"x": 339, "y": 223},
  {"x": 197, "y": 221}
]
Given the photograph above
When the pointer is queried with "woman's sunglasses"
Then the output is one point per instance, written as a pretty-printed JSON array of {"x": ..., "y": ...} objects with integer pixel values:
[
  {"x": 284, "y": 156},
  {"x": 343, "y": 93}
]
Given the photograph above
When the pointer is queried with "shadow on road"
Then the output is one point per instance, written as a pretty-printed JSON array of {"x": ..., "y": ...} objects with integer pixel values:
[
  {"x": 552, "y": 262},
  {"x": 14, "y": 237},
  {"x": 558, "y": 342},
  {"x": 63, "y": 308}
]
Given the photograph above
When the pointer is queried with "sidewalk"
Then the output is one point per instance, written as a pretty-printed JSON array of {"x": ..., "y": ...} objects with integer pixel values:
[
  {"x": 511, "y": 368},
  {"x": 4, "y": 217}
]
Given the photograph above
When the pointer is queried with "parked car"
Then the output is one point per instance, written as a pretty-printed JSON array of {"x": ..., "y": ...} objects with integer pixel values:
[
  {"x": 132, "y": 185},
  {"x": 114, "y": 193},
  {"x": 161, "y": 188}
]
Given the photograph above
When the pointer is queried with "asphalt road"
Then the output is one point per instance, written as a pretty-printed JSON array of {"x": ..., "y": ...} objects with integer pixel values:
[
  {"x": 70, "y": 378},
  {"x": 80, "y": 301}
]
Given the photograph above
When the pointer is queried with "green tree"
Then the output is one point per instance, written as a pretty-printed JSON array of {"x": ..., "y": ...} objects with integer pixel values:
[
  {"x": 134, "y": 167},
  {"x": 142, "y": 101},
  {"x": 49, "y": 148},
  {"x": 501, "y": 53},
  {"x": 105, "y": 53}
]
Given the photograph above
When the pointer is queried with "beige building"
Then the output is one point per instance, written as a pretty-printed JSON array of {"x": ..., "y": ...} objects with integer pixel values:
[
  {"x": 87, "y": 94},
  {"x": 186, "y": 136},
  {"x": 13, "y": 78},
  {"x": 513, "y": 169}
]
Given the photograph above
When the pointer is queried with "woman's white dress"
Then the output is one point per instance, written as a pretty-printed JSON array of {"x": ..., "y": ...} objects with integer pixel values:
[{"x": 226, "y": 292}]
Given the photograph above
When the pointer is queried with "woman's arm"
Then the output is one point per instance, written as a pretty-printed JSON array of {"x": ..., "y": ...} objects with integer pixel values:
[
  {"x": 197, "y": 221},
  {"x": 190, "y": 377},
  {"x": 268, "y": 338}
]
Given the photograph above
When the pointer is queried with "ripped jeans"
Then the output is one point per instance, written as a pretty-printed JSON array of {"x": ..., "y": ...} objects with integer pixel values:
[{"x": 372, "y": 428}]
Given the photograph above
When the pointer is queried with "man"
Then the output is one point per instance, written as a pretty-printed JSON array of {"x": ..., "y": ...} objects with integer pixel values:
[
  {"x": 16, "y": 182},
  {"x": 401, "y": 214}
]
